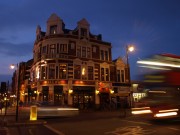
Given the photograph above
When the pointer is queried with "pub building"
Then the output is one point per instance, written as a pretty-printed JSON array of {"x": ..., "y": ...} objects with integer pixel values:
[{"x": 74, "y": 68}]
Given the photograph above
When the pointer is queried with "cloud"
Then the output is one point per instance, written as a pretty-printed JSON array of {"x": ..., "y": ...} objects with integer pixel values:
[{"x": 12, "y": 49}]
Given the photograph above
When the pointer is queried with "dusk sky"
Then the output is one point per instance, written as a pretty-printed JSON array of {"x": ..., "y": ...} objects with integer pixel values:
[{"x": 153, "y": 26}]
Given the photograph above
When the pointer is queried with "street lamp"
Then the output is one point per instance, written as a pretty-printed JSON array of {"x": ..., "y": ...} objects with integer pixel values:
[
  {"x": 12, "y": 66},
  {"x": 129, "y": 48}
]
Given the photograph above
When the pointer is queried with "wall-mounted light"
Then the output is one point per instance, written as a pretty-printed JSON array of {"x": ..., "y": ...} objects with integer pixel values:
[
  {"x": 111, "y": 91},
  {"x": 97, "y": 92},
  {"x": 70, "y": 91}
]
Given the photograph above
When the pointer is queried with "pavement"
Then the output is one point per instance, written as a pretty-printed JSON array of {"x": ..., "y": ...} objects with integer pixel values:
[{"x": 9, "y": 125}]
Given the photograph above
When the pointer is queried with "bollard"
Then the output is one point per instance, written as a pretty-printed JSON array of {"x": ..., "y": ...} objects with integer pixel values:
[{"x": 33, "y": 113}]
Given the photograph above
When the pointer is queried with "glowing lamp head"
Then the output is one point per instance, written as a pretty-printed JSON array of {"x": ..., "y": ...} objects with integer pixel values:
[
  {"x": 131, "y": 48},
  {"x": 12, "y": 66}
]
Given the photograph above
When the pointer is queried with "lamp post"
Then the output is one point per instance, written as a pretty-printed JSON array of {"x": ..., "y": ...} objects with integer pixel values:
[
  {"x": 12, "y": 66},
  {"x": 129, "y": 48}
]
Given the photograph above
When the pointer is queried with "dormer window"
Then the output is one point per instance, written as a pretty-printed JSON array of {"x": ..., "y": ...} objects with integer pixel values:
[
  {"x": 83, "y": 32},
  {"x": 53, "y": 29}
]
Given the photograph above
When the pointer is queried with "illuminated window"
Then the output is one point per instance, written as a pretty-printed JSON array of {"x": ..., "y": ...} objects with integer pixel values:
[
  {"x": 37, "y": 72},
  {"x": 53, "y": 29},
  {"x": 102, "y": 74},
  {"x": 62, "y": 71},
  {"x": 83, "y": 73},
  {"x": 107, "y": 74},
  {"x": 43, "y": 72}
]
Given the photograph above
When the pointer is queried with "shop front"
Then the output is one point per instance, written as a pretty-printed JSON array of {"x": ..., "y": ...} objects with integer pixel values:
[{"x": 83, "y": 97}]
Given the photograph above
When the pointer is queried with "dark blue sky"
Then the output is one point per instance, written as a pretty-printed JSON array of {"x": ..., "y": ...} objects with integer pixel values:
[{"x": 153, "y": 26}]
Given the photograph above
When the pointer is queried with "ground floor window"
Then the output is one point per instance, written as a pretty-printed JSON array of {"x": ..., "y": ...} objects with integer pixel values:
[
  {"x": 58, "y": 95},
  {"x": 83, "y": 97},
  {"x": 45, "y": 93}
]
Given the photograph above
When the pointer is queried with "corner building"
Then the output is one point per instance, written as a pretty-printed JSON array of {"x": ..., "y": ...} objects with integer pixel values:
[{"x": 74, "y": 67}]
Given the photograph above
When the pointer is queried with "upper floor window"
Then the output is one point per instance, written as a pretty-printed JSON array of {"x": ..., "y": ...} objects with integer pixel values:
[
  {"x": 63, "y": 48},
  {"x": 62, "y": 71},
  {"x": 88, "y": 52},
  {"x": 90, "y": 73},
  {"x": 107, "y": 74},
  {"x": 94, "y": 49},
  {"x": 78, "y": 51},
  {"x": 44, "y": 48},
  {"x": 53, "y": 29},
  {"x": 102, "y": 55},
  {"x": 52, "y": 49},
  {"x": 106, "y": 55},
  {"x": 118, "y": 76},
  {"x": 102, "y": 74},
  {"x": 72, "y": 45},
  {"x": 122, "y": 76},
  {"x": 83, "y": 73},
  {"x": 51, "y": 71},
  {"x": 83, "y": 32},
  {"x": 83, "y": 51},
  {"x": 43, "y": 72},
  {"x": 77, "y": 72}
]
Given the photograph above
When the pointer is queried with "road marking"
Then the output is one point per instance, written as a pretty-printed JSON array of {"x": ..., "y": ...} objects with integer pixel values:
[
  {"x": 54, "y": 130},
  {"x": 173, "y": 128},
  {"x": 131, "y": 130},
  {"x": 144, "y": 123}
]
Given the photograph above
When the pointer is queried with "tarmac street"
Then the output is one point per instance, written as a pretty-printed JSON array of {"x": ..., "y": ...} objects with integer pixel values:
[{"x": 26, "y": 127}]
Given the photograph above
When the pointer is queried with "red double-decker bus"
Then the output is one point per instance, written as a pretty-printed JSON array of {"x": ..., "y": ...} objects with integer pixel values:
[{"x": 162, "y": 86}]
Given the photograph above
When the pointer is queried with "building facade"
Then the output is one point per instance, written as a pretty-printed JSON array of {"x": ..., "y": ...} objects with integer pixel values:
[{"x": 74, "y": 68}]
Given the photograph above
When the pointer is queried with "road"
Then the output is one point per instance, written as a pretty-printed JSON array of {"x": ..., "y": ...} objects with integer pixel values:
[
  {"x": 114, "y": 126},
  {"x": 101, "y": 123}
]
